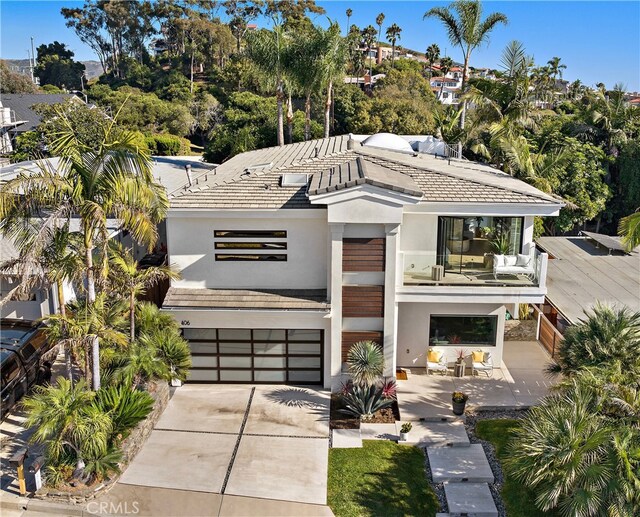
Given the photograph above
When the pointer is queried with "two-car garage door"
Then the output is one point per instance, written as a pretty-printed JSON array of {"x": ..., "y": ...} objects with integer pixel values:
[{"x": 256, "y": 355}]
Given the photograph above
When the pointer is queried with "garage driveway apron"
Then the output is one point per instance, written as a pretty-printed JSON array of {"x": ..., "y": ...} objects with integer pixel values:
[{"x": 268, "y": 442}]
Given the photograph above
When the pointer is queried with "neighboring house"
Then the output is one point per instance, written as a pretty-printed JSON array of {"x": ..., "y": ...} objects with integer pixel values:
[
  {"x": 366, "y": 81},
  {"x": 169, "y": 171},
  {"x": 587, "y": 269},
  {"x": 291, "y": 254},
  {"x": 18, "y": 115},
  {"x": 447, "y": 89}
]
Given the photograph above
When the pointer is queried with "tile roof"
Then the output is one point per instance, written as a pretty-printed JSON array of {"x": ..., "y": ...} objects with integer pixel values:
[
  {"x": 254, "y": 181},
  {"x": 22, "y": 104},
  {"x": 360, "y": 171},
  {"x": 268, "y": 299}
]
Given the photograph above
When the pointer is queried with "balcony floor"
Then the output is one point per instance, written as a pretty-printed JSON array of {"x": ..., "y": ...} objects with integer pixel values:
[{"x": 471, "y": 277}]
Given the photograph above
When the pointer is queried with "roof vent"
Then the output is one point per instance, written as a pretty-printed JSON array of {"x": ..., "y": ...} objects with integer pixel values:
[{"x": 294, "y": 180}]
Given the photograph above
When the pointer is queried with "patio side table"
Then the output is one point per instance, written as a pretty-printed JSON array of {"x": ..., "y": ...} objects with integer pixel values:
[{"x": 458, "y": 369}]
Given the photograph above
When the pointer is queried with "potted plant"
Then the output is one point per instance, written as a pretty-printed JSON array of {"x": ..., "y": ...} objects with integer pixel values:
[
  {"x": 405, "y": 429},
  {"x": 459, "y": 401},
  {"x": 459, "y": 367}
]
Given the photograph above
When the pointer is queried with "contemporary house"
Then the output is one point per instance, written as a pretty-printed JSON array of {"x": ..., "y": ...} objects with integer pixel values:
[{"x": 291, "y": 254}]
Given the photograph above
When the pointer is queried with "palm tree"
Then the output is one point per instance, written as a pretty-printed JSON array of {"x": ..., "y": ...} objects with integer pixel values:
[
  {"x": 379, "y": 22},
  {"x": 369, "y": 38},
  {"x": 629, "y": 230},
  {"x": 607, "y": 334},
  {"x": 349, "y": 13},
  {"x": 556, "y": 68},
  {"x": 114, "y": 179},
  {"x": 446, "y": 64},
  {"x": 432, "y": 55},
  {"x": 66, "y": 422},
  {"x": 570, "y": 457},
  {"x": 467, "y": 30},
  {"x": 393, "y": 34},
  {"x": 270, "y": 50},
  {"x": 332, "y": 54},
  {"x": 127, "y": 276}
]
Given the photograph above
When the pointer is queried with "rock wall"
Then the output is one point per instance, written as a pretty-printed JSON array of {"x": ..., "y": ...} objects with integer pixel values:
[{"x": 520, "y": 330}]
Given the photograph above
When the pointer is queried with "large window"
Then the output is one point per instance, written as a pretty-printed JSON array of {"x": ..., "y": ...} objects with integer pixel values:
[
  {"x": 467, "y": 244},
  {"x": 463, "y": 330}
]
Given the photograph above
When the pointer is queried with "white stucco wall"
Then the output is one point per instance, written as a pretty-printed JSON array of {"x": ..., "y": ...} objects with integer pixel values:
[
  {"x": 413, "y": 331},
  {"x": 191, "y": 250},
  {"x": 419, "y": 240}
]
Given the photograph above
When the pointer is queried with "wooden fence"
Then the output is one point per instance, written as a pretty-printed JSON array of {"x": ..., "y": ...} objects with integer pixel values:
[{"x": 546, "y": 332}]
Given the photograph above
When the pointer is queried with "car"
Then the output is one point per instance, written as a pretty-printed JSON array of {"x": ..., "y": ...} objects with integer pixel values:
[{"x": 25, "y": 360}]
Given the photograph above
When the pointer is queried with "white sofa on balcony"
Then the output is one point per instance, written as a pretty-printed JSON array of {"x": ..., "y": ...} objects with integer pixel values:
[{"x": 515, "y": 264}]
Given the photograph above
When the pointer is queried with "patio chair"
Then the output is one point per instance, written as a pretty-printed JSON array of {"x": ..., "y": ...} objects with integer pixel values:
[
  {"x": 482, "y": 363},
  {"x": 436, "y": 366}
]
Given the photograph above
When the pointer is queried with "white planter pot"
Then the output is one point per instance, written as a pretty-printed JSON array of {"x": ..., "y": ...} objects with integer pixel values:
[
  {"x": 176, "y": 383},
  {"x": 404, "y": 437}
]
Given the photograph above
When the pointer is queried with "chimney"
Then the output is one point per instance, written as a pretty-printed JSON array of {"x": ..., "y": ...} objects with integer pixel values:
[{"x": 187, "y": 169}]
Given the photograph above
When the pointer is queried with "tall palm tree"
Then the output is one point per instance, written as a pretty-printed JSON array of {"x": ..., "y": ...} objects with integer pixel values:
[
  {"x": 114, "y": 179},
  {"x": 379, "y": 22},
  {"x": 47, "y": 257},
  {"x": 127, "y": 276},
  {"x": 446, "y": 64},
  {"x": 270, "y": 52},
  {"x": 467, "y": 30},
  {"x": 369, "y": 39},
  {"x": 432, "y": 55},
  {"x": 393, "y": 34},
  {"x": 349, "y": 13},
  {"x": 629, "y": 230},
  {"x": 333, "y": 53},
  {"x": 556, "y": 68}
]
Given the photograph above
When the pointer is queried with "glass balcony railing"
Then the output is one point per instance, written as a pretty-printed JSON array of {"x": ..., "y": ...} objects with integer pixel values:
[{"x": 424, "y": 268}]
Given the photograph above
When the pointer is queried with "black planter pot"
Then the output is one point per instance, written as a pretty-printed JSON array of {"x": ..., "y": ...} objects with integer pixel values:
[{"x": 458, "y": 407}]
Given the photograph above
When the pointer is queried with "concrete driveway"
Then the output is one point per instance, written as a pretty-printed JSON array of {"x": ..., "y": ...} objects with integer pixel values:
[{"x": 227, "y": 445}]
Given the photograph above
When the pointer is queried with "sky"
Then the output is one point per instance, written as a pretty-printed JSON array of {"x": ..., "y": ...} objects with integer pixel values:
[{"x": 599, "y": 41}]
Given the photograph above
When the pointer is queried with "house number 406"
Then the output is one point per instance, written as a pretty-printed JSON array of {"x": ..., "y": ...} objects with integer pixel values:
[{"x": 185, "y": 323}]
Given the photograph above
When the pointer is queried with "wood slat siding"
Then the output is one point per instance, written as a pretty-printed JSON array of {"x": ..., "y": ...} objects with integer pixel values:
[
  {"x": 363, "y": 301},
  {"x": 549, "y": 336},
  {"x": 349, "y": 338},
  {"x": 363, "y": 254}
]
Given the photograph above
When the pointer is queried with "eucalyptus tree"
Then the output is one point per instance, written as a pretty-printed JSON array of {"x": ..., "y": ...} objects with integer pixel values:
[
  {"x": 432, "y": 55},
  {"x": 393, "y": 35},
  {"x": 467, "y": 30},
  {"x": 112, "y": 178},
  {"x": 270, "y": 51},
  {"x": 379, "y": 22}
]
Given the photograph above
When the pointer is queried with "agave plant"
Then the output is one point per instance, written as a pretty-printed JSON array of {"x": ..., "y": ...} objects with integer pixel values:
[
  {"x": 366, "y": 363},
  {"x": 364, "y": 401}
]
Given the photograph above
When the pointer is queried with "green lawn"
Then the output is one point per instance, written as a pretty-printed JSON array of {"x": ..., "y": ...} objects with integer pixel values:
[
  {"x": 518, "y": 499},
  {"x": 382, "y": 478}
]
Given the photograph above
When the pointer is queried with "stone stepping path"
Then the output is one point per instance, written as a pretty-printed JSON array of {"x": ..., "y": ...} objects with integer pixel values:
[
  {"x": 436, "y": 434},
  {"x": 346, "y": 439},
  {"x": 459, "y": 464},
  {"x": 470, "y": 499}
]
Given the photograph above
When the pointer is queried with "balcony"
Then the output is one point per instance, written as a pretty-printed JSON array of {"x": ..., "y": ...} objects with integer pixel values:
[{"x": 422, "y": 268}]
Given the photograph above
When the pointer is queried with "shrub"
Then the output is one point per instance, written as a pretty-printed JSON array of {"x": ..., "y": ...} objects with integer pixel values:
[
  {"x": 458, "y": 396},
  {"x": 175, "y": 353},
  {"x": 366, "y": 362},
  {"x": 406, "y": 427},
  {"x": 125, "y": 407},
  {"x": 364, "y": 401},
  {"x": 389, "y": 389},
  {"x": 168, "y": 145}
]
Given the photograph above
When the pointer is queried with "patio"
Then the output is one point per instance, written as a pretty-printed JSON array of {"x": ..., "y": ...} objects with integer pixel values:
[{"x": 519, "y": 382}]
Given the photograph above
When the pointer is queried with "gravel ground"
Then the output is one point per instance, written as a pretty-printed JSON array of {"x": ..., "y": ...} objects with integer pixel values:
[
  {"x": 470, "y": 424},
  {"x": 438, "y": 488}
]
